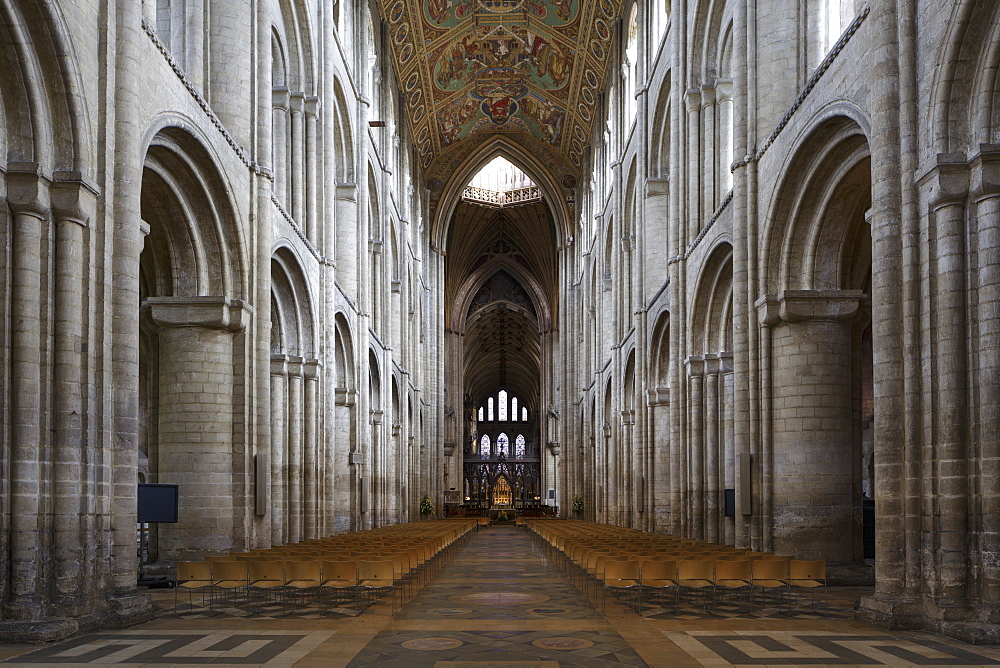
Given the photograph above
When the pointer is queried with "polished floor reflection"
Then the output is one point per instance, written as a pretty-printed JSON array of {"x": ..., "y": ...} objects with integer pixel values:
[{"x": 500, "y": 601}]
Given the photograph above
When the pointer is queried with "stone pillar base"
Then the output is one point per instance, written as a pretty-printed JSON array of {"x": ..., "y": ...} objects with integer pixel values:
[
  {"x": 43, "y": 630},
  {"x": 899, "y": 614},
  {"x": 120, "y": 612},
  {"x": 890, "y": 612},
  {"x": 128, "y": 610}
]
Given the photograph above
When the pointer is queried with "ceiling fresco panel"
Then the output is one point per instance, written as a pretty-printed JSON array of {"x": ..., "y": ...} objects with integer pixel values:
[{"x": 531, "y": 70}]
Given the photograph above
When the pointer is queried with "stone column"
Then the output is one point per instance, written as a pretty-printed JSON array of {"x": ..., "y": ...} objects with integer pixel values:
[
  {"x": 713, "y": 461},
  {"x": 279, "y": 146},
  {"x": 610, "y": 488},
  {"x": 710, "y": 151},
  {"x": 310, "y": 371},
  {"x": 631, "y": 472},
  {"x": 986, "y": 195},
  {"x": 296, "y": 167},
  {"x": 724, "y": 90},
  {"x": 694, "y": 130},
  {"x": 194, "y": 42},
  {"x": 949, "y": 488},
  {"x": 346, "y": 239},
  {"x": 696, "y": 451},
  {"x": 375, "y": 501},
  {"x": 811, "y": 423},
  {"x": 311, "y": 222},
  {"x": 196, "y": 419},
  {"x": 344, "y": 471},
  {"x": 28, "y": 199},
  {"x": 73, "y": 202},
  {"x": 727, "y": 442},
  {"x": 279, "y": 447},
  {"x": 295, "y": 415}
]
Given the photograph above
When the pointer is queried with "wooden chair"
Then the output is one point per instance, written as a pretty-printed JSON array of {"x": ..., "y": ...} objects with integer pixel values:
[
  {"x": 770, "y": 575},
  {"x": 267, "y": 579},
  {"x": 303, "y": 577},
  {"x": 733, "y": 577},
  {"x": 340, "y": 577},
  {"x": 377, "y": 577},
  {"x": 194, "y": 576},
  {"x": 230, "y": 579},
  {"x": 657, "y": 576},
  {"x": 807, "y": 576},
  {"x": 622, "y": 579},
  {"x": 697, "y": 576}
]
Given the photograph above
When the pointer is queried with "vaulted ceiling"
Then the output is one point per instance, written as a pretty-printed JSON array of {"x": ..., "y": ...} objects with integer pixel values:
[
  {"x": 531, "y": 70},
  {"x": 500, "y": 286}
]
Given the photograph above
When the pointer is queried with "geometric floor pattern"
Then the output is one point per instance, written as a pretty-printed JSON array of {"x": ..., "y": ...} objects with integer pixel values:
[
  {"x": 500, "y": 601},
  {"x": 757, "y": 648},
  {"x": 251, "y": 648}
]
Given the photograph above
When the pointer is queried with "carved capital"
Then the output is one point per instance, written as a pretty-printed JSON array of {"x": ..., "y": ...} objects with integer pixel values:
[
  {"x": 311, "y": 105},
  {"x": 985, "y": 172},
  {"x": 310, "y": 369},
  {"x": 347, "y": 192},
  {"x": 295, "y": 366},
  {"x": 279, "y": 365},
  {"x": 279, "y": 97},
  {"x": 695, "y": 365},
  {"x": 809, "y": 305},
  {"x": 28, "y": 189},
  {"x": 208, "y": 312},
  {"x": 74, "y": 199},
  {"x": 948, "y": 180}
]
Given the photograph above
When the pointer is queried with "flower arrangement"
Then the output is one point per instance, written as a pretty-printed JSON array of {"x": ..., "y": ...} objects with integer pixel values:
[
  {"x": 577, "y": 505},
  {"x": 426, "y": 506},
  {"x": 502, "y": 516}
]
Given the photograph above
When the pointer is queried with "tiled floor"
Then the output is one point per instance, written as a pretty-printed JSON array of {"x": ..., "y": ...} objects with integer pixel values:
[{"x": 500, "y": 602}]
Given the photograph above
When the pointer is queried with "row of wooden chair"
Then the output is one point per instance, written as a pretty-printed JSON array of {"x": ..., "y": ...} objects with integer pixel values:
[
  {"x": 360, "y": 566},
  {"x": 638, "y": 566}
]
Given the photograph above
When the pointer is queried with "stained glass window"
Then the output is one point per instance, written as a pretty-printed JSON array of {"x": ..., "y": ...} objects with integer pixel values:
[
  {"x": 503, "y": 406},
  {"x": 503, "y": 445},
  {"x": 519, "y": 446},
  {"x": 513, "y": 409},
  {"x": 524, "y": 415},
  {"x": 480, "y": 413},
  {"x": 489, "y": 409},
  {"x": 484, "y": 446}
]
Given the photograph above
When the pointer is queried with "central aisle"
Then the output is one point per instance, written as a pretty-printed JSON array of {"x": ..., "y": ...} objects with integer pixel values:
[{"x": 499, "y": 600}]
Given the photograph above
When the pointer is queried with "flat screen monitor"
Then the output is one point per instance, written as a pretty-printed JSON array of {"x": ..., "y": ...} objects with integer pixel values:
[{"x": 157, "y": 503}]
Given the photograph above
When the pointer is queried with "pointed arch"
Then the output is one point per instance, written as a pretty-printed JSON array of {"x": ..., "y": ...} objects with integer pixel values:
[{"x": 451, "y": 194}]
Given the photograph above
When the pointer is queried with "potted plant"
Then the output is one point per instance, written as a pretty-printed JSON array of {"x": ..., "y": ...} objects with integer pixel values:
[
  {"x": 426, "y": 505},
  {"x": 577, "y": 506}
]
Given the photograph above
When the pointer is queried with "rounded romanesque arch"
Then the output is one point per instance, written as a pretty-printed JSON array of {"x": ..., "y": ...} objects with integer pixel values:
[
  {"x": 296, "y": 467},
  {"x": 817, "y": 348},
  {"x": 192, "y": 287}
]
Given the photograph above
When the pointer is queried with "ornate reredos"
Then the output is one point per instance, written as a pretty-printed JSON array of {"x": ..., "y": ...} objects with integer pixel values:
[{"x": 472, "y": 69}]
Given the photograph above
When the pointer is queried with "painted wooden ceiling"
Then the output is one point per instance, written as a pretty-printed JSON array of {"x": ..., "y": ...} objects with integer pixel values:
[{"x": 531, "y": 70}]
